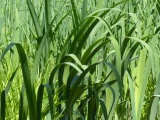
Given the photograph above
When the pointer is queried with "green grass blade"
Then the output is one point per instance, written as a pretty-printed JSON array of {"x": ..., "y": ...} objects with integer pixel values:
[
  {"x": 126, "y": 40},
  {"x": 103, "y": 107},
  {"x": 23, "y": 105},
  {"x": 26, "y": 76},
  {"x": 75, "y": 14},
  {"x": 40, "y": 98},
  {"x": 90, "y": 52},
  {"x": 39, "y": 101},
  {"x": 73, "y": 98},
  {"x": 152, "y": 111},
  {"x": 10, "y": 82},
  {"x": 47, "y": 13},
  {"x": 118, "y": 78},
  {"x": 84, "y": 9},
  {"x": 38, "y": 55},
  {"x": 3, "y": 105},
  {"x": 35, "y": 19}
]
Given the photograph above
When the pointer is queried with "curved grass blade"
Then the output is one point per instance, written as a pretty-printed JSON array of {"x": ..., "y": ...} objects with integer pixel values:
[
  {"x": 38, "y": 54},
  {"x": 128, "y": 58},
  {"x": 118, "y": 54},
  {"x": 118, "y": 78},
  {"x": 72, "y": 95},
  {"x": 86, "y": 29},
  {"x": 150, "y": 52},
  {"x": 10, "y": 82},
  {"x": 4, "y": 95},
  {"x": 104, "y": 87},
  {"x": 29, "y": 87},
  {"x": 95, "y": 102},
  {"x": 40, "y": 98},
  {"x": 76, "y": 60},
  {"x": 72, "y": 100},
  {"x": 126, "y": 40},
  {"x": 91, "y": 52},
  {"x": 104, "y": 110}
]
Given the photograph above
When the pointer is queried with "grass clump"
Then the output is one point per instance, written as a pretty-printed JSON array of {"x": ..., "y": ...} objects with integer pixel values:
[{"x": 79, "y": 59}]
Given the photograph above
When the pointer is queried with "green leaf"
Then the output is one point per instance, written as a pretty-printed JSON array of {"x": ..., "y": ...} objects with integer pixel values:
[
  {"x": 40, "y": 98},
  {"x": 29, "y": 87},
  {"x": 104, "y": 110}
]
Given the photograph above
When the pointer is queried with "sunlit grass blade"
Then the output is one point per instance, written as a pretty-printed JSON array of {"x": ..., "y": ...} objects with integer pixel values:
[
  {"x": 26, "y": 76},
  {"x": 117, "y": 75},
  {"x": 79, "y": 59},
  {"x": 4, "y": 96},
  {"x": 153, "y": 110},
  {"x": 10, "y": 82},
  {"x": 139, "y": 83}
]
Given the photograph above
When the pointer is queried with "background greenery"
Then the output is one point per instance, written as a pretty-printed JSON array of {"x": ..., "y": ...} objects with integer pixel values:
[{"x": 79, "y": 59}]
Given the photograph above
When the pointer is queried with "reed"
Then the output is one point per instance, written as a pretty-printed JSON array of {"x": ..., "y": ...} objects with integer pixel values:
[{"x": 71, "y": 59}]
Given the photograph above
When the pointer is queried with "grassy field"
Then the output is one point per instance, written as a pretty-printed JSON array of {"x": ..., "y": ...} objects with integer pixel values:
[{"x": 79, "y": 59}]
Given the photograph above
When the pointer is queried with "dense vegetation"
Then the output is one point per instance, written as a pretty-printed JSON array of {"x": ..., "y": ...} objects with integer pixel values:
[{"x": 79, "y": 59}]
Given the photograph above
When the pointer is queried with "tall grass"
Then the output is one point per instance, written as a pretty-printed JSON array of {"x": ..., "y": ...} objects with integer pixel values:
[{"x": 71, "y": 59}]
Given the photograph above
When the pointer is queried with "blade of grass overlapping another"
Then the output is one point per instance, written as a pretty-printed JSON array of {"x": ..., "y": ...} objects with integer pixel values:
[
  {"x": 104, "y": 110},
  {"x": 80, "y": 44},
  {"x": 79, "y": 91},
  {"x": 150, "y": 52},
  {"x": 132, "y": 94},
  {"x": 94, "y": 103},
  {"x": 61, "y": 71},
  {"x": 153, "y": 110},
  {"x": 118, "y": 78},
  {"x": 109, "y": 113},
  {"x": 35, "y": 20},
  {"x": 26, "y": 76},
  {"x": 48, "y": 13},
  {"x": 75, "y": 17},
  {"x": 23, "y": 104},
  {"x": 72, "y": 98},
  {"x": 139, "y": 82},
  {"x": 91, "y": 51},
  {"x": 40, "y": 98},
  {"x": 75, "y": 35},
  {"x": 88, "y": 26},
  {"x": 38, "y": 55},
  {"x": 4, "y": 96}
]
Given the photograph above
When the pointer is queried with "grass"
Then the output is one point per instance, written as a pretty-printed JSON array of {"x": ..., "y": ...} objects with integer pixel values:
[{"x": 72, "y": 59}]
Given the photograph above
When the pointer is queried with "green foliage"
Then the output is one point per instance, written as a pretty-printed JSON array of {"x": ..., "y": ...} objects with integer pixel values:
[{"x": 72, "y": 59}]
